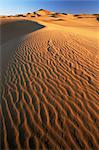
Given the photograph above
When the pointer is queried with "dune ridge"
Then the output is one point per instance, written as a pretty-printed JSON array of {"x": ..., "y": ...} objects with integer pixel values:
[{"x": 49, "y": 91}]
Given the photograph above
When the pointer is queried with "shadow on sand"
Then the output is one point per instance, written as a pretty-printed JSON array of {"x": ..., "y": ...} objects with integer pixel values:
[
  {"x": 19, "y": 28},
  {"x": 12, "y": 33}
]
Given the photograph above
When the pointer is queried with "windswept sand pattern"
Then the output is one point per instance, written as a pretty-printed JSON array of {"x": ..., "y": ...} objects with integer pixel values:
[{"x": 49, "y": 93}]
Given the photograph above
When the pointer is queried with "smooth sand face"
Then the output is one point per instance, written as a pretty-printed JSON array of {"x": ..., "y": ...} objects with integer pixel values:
[{"x": 49, "y": 88}]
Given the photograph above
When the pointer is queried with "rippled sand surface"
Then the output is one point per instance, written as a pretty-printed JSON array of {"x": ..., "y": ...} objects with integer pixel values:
[{"x": 50, "y": 80}]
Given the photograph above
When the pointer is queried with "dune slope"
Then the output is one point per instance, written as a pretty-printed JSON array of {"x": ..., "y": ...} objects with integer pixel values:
[{"x": 49, "y": 91}]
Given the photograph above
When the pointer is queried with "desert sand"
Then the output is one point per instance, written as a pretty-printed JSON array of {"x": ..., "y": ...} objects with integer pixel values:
[{"x": 49, "y": 81}]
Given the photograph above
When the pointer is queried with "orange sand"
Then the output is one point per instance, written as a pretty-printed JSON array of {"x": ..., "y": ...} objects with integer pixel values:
[{"x": 49, "y": 86}]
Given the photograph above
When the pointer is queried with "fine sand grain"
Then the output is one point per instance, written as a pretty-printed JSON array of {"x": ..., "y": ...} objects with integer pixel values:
[{"x": 49, "y": 86}]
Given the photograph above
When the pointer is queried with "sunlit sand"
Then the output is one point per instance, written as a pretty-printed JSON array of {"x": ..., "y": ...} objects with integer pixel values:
[{"x": 49, "y": 86}]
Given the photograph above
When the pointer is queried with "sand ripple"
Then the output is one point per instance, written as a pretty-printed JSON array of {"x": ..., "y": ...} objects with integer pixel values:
[{"x": 50, "y": 93}]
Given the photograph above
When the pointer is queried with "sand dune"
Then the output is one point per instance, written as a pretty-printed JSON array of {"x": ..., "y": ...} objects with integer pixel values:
[
  {"x": 49, "y": 89},
  {"x": 22, "y": 27}
]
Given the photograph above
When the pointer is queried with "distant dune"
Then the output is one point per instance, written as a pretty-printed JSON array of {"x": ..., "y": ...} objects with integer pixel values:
[{"x": 49, "y": 81}]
